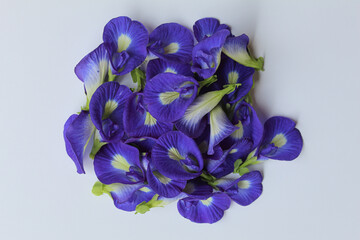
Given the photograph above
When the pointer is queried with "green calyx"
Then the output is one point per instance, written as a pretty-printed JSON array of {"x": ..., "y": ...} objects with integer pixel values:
[
  {"x": 100, "y": 188},
  {"x": 240, "y": 167},
  {"x": 207, "y": 82},
  {"x": 146, "y": 206},
  {"x": 97, "y": 144},
  {"x": 138, "y": 76}
]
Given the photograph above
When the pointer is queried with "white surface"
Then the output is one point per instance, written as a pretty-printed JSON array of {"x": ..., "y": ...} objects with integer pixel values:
[{"x": 311, "y": 51}]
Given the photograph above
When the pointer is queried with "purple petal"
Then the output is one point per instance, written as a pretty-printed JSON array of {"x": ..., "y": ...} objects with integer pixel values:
[
  {"x": 177, "y": 156},
  {"x": 78, "y": 130},
  {"x": 210, "y": 210},
  {"x": 172, "y": 42},
  {"x": 138, "y": 122},
  {"x": 118, "y": 163},
  {"x": 281, "y": 141},
  {"x": 206, "y": 55},
  {"x": 126, "y": 42},
  {"x": 93, "y": 69},
  {"x": 106, "y": 110},
  {"x": 168, "y": 95},
  {"x": 206, "y": 27}
]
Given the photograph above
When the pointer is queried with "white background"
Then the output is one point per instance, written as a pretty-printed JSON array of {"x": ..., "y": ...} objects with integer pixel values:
[{"x": 311, "y": 51}]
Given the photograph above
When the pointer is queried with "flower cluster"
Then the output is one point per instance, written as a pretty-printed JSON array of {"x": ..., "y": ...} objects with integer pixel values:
[{"x": 185, "y": 129}]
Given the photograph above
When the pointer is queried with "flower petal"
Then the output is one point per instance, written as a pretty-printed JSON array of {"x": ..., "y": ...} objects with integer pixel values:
[
  {"x": 206, "y": 27},
  {"x": 93, "y": 69},
  {"x": 162, "y": 185},
  {"x": 231, "y": 72},
  {"x": 172, "y": 42},
  {"x": 168, "y": 95},
  {"x": 197, "y": 188},
  {"x": 138, "y": 122},
  {"x": 118, "y": 163},
  {"x": 246, "y": 189},
  {"x": 126, "y": 42},
  {"x": 78, "y": 130},
  {"x": 144, "y": 194},
  {"x": 209, "y": 210},
  {"x": 281, "y": 140},
  {"x": 236, "y": 48},
  {"x": 206, "y": 55},
  {"x": 177, "y": 156},
  {"x": 106, "y": 110},
  {"x": 157, "y": 66}
]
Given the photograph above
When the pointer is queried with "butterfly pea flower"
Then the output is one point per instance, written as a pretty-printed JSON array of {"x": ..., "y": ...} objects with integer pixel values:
[
  {"x": 220, "y": 127},
  {"x": 171, "y": 42},
  {"x": 244, "y": 190},
  {"x": 138, "y": 122},
  {"x": 125, "y": 41},
  {"x": 118, "y": 163},
  {"x": 162, "y": 185},
  {"x": 78, "y": 130},
  {"x": 106, "y": 110},
  {"x": 249, "y": 126},
  {"x": 206, "y": 55},
  {"x": 92, "y": 70},
  {"x": 193, "y": 123},
  {"x": 208, "y": 210},
  {"x": 281, "y": 140},
  {"x": 168, "y": 95},
  {"x": 206, "y": 27},
  {"x": 237, "y": 49},
  {"x": 157, "y": 66},
  {"x": 177, "y": 156},
  {"x": 231, "y": 72},
  {"x": 125, "y": 196}
]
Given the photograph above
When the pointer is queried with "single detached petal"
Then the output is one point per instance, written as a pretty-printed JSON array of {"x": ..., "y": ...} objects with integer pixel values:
[
  {"x": 206, "y": 55},
  {"x": 206, "y": 27},
  {"x": 138, "y": 122},
  {"x": 93, "y": 69},
  {"x": 122, "y": 192},
  {"x": 78, "y": 130},
  {"x": 246, "y": 189},
  {"x": 177, "y": 156},
  {"x": 168, "y": 95},
  {"x": 157, "y": 66},
  {"x": 106, "y": 110},
  {"x": 249, "y": 126},
  {"x": 144, "y": 194},
  {"x": 126, "y": 42},
  {"x": 118, "y": 163},
  {"x": 162, "y": 185},
  {"x": 193, "y": 122},
  {"x": 231, "y": 72},
  {"x": 220, "y": 127},
  {"x": 236, "y": 48},
  {"x": 172, "y": 42},
  {"x": 208, "y": 210},
  {"x": 281, "y": 141}
]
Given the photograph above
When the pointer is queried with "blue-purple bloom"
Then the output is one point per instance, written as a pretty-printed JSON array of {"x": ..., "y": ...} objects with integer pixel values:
[{"x": 184, "y": 129}]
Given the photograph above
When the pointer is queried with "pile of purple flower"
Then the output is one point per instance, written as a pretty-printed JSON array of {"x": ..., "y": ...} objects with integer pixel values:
[{"x": 184, "y": 130}]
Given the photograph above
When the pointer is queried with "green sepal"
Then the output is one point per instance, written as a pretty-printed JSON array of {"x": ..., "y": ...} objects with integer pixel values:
[
  {"x": 138, "y": 76},
  {"x": 97, "y": 144},
  {"x": 100, "y": 188},
  {"x": 248, "y": 99},
  {"x": 240, "y": 167},
  {"x": 243, "y": 171},
  {"x": 207, "y": 82},
  {"x": 146, "y": 206}
]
